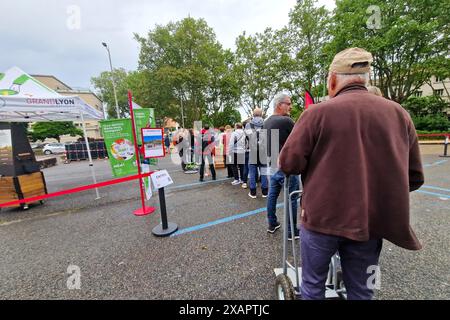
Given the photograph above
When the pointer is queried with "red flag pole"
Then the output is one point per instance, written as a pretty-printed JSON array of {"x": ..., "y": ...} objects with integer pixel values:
[{"x": 144, "y": 210}]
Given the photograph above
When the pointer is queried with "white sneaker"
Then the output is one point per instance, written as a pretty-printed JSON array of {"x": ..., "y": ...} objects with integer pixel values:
[
  {"x": 244, "y": 186},
  {"x": 236, "y": 182}
]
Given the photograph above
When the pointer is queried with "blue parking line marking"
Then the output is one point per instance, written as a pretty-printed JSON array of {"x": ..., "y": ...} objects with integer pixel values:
[
  {"x": 223, "y": 220},
  {"x": 435, "y": 194},
  {"x": 436, "y": 188},
  {"x": 197, "y": 184}
]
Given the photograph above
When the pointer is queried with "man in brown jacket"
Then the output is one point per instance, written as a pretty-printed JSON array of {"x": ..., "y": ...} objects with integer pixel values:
[{"x": 359, "y": 158}]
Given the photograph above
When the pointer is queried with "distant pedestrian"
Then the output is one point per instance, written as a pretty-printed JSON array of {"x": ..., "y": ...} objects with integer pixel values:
[
  {"x": 167, "y": 143},
  {"x": 226, "y": 147},
  {"x": 237, "y": 150},
  {"x": 258, "y": 156},
  {"x": 208, "y": 148}
]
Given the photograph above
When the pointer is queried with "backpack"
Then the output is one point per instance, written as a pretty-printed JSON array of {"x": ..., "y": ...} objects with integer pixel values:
[{"x": 259, "y": 139}]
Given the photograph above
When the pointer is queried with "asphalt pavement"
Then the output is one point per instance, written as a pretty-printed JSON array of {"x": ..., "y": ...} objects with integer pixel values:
[{"x": 221, "y": 251}]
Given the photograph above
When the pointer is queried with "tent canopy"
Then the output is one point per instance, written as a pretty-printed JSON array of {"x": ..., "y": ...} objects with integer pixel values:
[{"x": 24, "y": 99}]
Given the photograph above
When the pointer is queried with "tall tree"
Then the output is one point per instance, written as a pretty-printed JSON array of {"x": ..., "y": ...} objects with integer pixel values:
[
  {"x": 104, "y": 87},
  {"x": 308, "y": 32},
  {"x": 185, "y": 60},
  {"x": 409, "y": 40},
  {"x": 262, "y": 66}
]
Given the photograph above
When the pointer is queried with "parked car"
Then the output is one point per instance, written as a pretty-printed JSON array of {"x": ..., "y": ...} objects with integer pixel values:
[{"x": 51, "y": 148}]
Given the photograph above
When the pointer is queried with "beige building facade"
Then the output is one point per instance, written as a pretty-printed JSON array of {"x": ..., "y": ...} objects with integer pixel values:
[{"x": 92, "y": 127}]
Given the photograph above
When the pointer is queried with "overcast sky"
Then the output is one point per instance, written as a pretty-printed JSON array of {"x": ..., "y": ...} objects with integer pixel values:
[{"x": 45, "y": 36}]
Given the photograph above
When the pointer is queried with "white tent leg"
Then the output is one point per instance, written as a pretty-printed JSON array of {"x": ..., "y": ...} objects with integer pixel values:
[{"x": 91, "y": 164}]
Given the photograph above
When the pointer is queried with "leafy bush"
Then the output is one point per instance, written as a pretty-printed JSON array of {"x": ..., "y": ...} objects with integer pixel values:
[{"x": 437, "y": 123}]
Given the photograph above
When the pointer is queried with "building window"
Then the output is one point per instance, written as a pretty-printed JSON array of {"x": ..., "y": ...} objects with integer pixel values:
[
  {"x": 439, "y": 92},
  {"x": 439, "y": 79},
  {"x": 418, "y": 94}
]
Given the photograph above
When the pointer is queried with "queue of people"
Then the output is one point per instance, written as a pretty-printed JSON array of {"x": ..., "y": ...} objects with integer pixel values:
[{"x": 358, "y": 157}]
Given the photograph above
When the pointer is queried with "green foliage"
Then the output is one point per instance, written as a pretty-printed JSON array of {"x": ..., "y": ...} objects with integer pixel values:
[
  {"x": 308, "y": 32},
  {"x": 227, "y": 116},
  {"x": 409, "y": 47},
  {"x": 423, "y": 106},
  {"x": 438, "y": 123},
  {"x": 44, "y": 130},
  {"x": 104, "y": 85},
  {"x": 262, "y": 65},
  {"x": 428, "y": 113},
  {"x": 186, "y": 71}
]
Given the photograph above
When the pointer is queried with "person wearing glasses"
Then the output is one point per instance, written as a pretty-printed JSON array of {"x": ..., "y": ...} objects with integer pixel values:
[{"x": 278, "y": 128}]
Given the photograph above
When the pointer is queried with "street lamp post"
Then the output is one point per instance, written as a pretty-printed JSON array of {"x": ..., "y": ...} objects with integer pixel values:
[{"x": 112, "y": 79}]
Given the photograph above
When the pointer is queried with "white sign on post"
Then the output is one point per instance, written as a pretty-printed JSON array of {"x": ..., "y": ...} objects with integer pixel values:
[{"x": 161, "y": 179}]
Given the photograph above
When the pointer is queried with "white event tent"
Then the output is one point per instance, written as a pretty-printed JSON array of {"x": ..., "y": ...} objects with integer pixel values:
[{"x": 24, "y": 99}]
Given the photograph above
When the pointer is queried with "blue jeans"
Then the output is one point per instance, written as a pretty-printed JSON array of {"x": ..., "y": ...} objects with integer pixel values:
[
  {"x": 276, "y": 184},
  {"x": 253, "y": 172},
  {"x": 356, "y": 260},
  {"x": 246, "y": 168}
]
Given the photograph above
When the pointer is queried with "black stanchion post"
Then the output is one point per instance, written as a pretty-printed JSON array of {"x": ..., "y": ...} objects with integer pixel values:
[
  {"x": 446, "y": 147},
  {"x": 165, "y": 228}
]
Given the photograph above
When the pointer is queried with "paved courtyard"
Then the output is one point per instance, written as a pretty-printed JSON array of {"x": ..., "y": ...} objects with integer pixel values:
[{"x": 221, "y": 251}]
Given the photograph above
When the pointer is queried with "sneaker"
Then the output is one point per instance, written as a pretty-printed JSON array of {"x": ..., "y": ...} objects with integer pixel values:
[
  {"x": 236, "y": 182},
  {"x": 251, "y": 195},
  {"x": 244, "y": 186},
  {"x": 274, "y": 228},
  {"x": 265, "y": 193},
  {"x": 296, "y": 236}
]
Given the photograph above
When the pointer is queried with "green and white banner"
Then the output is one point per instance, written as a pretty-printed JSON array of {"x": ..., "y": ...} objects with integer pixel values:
[
  {"x": 119, "y": 143},
  {"x": 144, "y": 118}
]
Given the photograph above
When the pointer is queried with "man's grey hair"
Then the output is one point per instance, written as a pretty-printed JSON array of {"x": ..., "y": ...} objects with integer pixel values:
[
  {"x": 363, "y": 78},
  {"x": 279, "y": 98}
]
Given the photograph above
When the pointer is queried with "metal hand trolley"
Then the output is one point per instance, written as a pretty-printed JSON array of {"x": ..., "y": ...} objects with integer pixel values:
[{"x": 288, "y": 278}]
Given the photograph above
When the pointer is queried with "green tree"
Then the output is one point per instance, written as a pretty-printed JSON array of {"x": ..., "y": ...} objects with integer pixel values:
[
  {"x": 262, "y": 66},
  {"x": 54, "y": 129},
  {"x": 104, "y": 88},
  {"x": 308, "y": 32},
  {"x": 423, "y": 106},
  {"x": 187, "y": 72},
  {"x": 409, "y": 42},
  {"x": 428, "y": 113}
]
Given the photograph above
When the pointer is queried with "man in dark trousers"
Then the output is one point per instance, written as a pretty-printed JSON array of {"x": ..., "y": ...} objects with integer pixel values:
[
  {"x": 208, "y": 147},
  {"x": 359, "y": 158},
  {"x": 278, "y": 127}
]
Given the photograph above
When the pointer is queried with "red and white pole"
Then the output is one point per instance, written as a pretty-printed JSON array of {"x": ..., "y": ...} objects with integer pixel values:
[{"x": 144, "y": 210}]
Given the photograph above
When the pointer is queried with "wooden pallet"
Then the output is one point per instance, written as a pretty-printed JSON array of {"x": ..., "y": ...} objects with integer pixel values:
[{"x": 22, "y": 187}]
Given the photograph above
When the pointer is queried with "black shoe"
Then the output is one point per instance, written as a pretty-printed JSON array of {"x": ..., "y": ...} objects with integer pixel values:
[
  {"x": 214, "y": 178},
  {"x": 201, "y": 180},
  {"x": 274, "y": 228},
  {"x": 296, "y": 235},
  {"x": 265, "y": 193}
]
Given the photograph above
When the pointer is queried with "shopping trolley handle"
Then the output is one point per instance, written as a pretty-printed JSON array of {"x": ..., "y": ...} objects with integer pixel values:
[{"x": 299, "y": 192}]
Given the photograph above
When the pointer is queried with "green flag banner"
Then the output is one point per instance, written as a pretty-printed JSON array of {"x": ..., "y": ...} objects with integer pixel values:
[
  {"x": 119, "y": 143},
  {"x": 144, "y": 118},
  {"x": 141, "y": 119}
]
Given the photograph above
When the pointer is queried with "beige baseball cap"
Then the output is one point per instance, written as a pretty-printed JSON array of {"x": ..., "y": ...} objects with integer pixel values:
[{"x": 352, "y": 60}]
